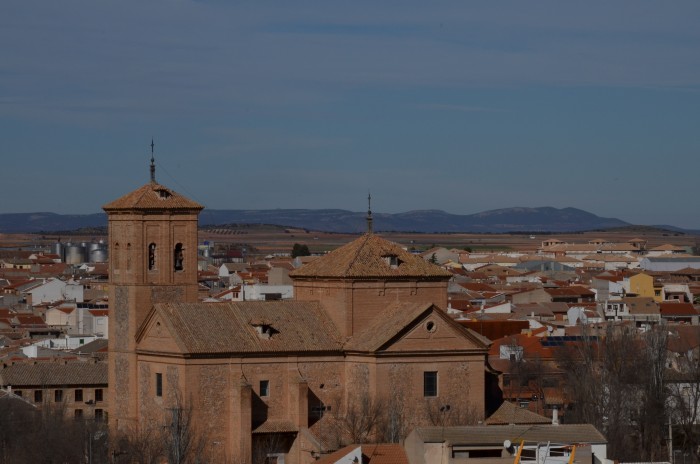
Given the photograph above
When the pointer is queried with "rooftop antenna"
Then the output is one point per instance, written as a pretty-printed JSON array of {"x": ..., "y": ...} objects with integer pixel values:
[
  {"x": 369, "y": 213},
  {"x": 153, "y": 163}
]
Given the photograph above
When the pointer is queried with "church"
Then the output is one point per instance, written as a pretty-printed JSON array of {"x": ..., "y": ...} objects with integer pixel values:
[{"x": 364, "y": 351}]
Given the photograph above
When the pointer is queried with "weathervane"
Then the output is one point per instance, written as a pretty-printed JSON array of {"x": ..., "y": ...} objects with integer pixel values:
[
  {"x": 369, "y": 212},
  {"x": 153, "y": 162}
]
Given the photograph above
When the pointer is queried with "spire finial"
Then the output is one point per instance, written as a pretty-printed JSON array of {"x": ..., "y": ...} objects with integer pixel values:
[
  {"x": 153, "y": 162},
  {"x": 369, "y": 212}
]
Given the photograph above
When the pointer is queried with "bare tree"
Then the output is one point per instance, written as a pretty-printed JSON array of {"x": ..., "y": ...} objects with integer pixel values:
[
  {"x": 394, "y": 427},
  {"x": 183, "y": 444},
  {"x": 46, "y": 435},
  {"x": 683, "y": 402},
  {"x": 359, "y": 420},
  {"x": 449, "y": 411},
  {"x": 615, "y": 381},
  {"x": 144, "y": 445},
  {"x": 267, "y": 446}
]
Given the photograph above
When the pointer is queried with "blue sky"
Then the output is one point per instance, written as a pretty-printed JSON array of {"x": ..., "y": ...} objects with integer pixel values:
[{"x": 460, "y": 106}]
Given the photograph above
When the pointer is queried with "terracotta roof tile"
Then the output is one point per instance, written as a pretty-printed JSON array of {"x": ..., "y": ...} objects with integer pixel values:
[
  {"x": 52, "y": 373},
  {"x": 391, "y": 321},
  {"x": 672, "y": 308},
  {"x": 370, "y": 256},
  {"x": 384, "y": 453},
  {"x": 276, "y": 426},
  {"x": 152, "y": 196},
  {"x": 202, "y": 328},
  {"x": 509, "y": 413}
]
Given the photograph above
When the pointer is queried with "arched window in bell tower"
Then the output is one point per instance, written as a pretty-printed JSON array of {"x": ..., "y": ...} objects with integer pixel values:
[
  {"x": 115, "y": 257},
  {"x": 178, "y": 257},
  {"x": 151, "y": 256}
]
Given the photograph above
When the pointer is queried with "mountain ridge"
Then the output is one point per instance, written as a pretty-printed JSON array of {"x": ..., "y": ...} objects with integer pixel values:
[{"x": 515, "y": 219}]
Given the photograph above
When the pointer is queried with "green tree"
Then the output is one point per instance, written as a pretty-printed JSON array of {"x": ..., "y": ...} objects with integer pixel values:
[{"x": 300, "y": 250}]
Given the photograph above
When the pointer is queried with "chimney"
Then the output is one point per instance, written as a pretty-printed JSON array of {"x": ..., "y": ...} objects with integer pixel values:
[{"x": 555, "y": 416}]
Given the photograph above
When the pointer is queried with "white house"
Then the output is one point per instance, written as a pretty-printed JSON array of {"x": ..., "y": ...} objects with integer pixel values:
[
  {"x": 668, "y": 263},
  {"x": 266, "y": 292},
  {"x": 55, "y": 290},
  {"x": 75, "y": 320},
  {"x": 67, "y": 342}
]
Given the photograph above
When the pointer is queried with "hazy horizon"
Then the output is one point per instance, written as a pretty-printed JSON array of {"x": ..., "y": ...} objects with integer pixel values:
[{"x": 452, "y": 106}]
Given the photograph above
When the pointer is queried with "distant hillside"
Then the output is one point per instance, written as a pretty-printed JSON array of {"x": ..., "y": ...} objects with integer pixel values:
[
  {"x": 49, "y": 222},
  {"x": 544, "y": 219}
]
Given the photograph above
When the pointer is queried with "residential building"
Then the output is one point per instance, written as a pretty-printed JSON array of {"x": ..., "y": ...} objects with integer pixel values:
[
  {"x": 500, "y": 443},
  {"x": 79, "y": 388}
]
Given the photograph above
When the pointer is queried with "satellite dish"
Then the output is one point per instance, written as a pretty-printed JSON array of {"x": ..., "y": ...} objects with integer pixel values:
[{"x": 507, "y": 444}]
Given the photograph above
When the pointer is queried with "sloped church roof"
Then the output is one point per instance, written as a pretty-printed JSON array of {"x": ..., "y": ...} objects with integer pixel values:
[
  {"x": 371, "y": 256},
  {"x": 152, "y": 196}
]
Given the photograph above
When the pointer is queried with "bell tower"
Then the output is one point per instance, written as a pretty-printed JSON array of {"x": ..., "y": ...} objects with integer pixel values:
[{"x": 153, "y": 259}]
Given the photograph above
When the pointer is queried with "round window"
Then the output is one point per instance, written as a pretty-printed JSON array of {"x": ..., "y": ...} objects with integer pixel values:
[{"x": 430, "y": 326}]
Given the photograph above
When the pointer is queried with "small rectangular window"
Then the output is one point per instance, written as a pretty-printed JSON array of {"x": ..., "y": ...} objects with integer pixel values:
[
  {"x": 159, "y": 384},
  {"x": 78, "y": 413},
  {"x": 38, "y": 397},
  {"x": 78, "y": 395},
  {"x": 264, "y": 388},
  {"x": 58, "y": 396},
  {"x": 98, "y": 395},
  {"x": 430, "y": 384},
  {"x": 98, "y": 415},
  {"x": 18, "y": 392}
]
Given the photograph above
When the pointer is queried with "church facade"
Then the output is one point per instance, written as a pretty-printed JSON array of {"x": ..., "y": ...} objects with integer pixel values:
[{"x": 363, "y": 352}]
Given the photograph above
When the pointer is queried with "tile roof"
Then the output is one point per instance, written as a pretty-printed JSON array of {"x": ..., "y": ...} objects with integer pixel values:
[
  {"x": 672, "y": 308},
  {"x": 574, "y": 290},
  {"x": 673, "y": 259},
  {"x": 368, "y": 257},
  {"x": 208, "y": 328},
  {"x": 53, "y": 373},
  {"x": 683, "y": 338},
  {"x": 390, "y": 322},
  {"x": 496, "y": 434},
  {"x": 686, "y": 271},
  {"x": 641, "y": 305},
  {"x": 276, "y": 426},
  {"x": 509, "y": 413},
  {"x": 384, "y": 453},
  {"x": 95, "y": 346},
  {"x": 152, "y": 196},
  {"x": 667, "y": 247}
]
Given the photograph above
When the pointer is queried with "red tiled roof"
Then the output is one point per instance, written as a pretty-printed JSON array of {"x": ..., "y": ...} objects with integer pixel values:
[
  {"x": 42, "y": 374},
  {"x": 477, "y": 287},
  {"x": 509, "y": 413},
  {"x": 671, "y": 308},
  {"x": 276, "y": 426},
  {"x": 207, "y": 328},
  {"x": 27, "y": 319},
  {"x": 388, "y": 323},
  {"x": 99, "y": 312},
  {"x": 384, "y": 453},
  {"x": 368, "y": 257},
  {"x": 152, "y": 196}
]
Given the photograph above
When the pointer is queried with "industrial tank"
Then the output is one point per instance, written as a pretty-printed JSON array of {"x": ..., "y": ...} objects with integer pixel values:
[
  {"x": 98, "y": 255},
  {"x": 57, "y": 248},
  {"x": 74, "y": 253}
]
